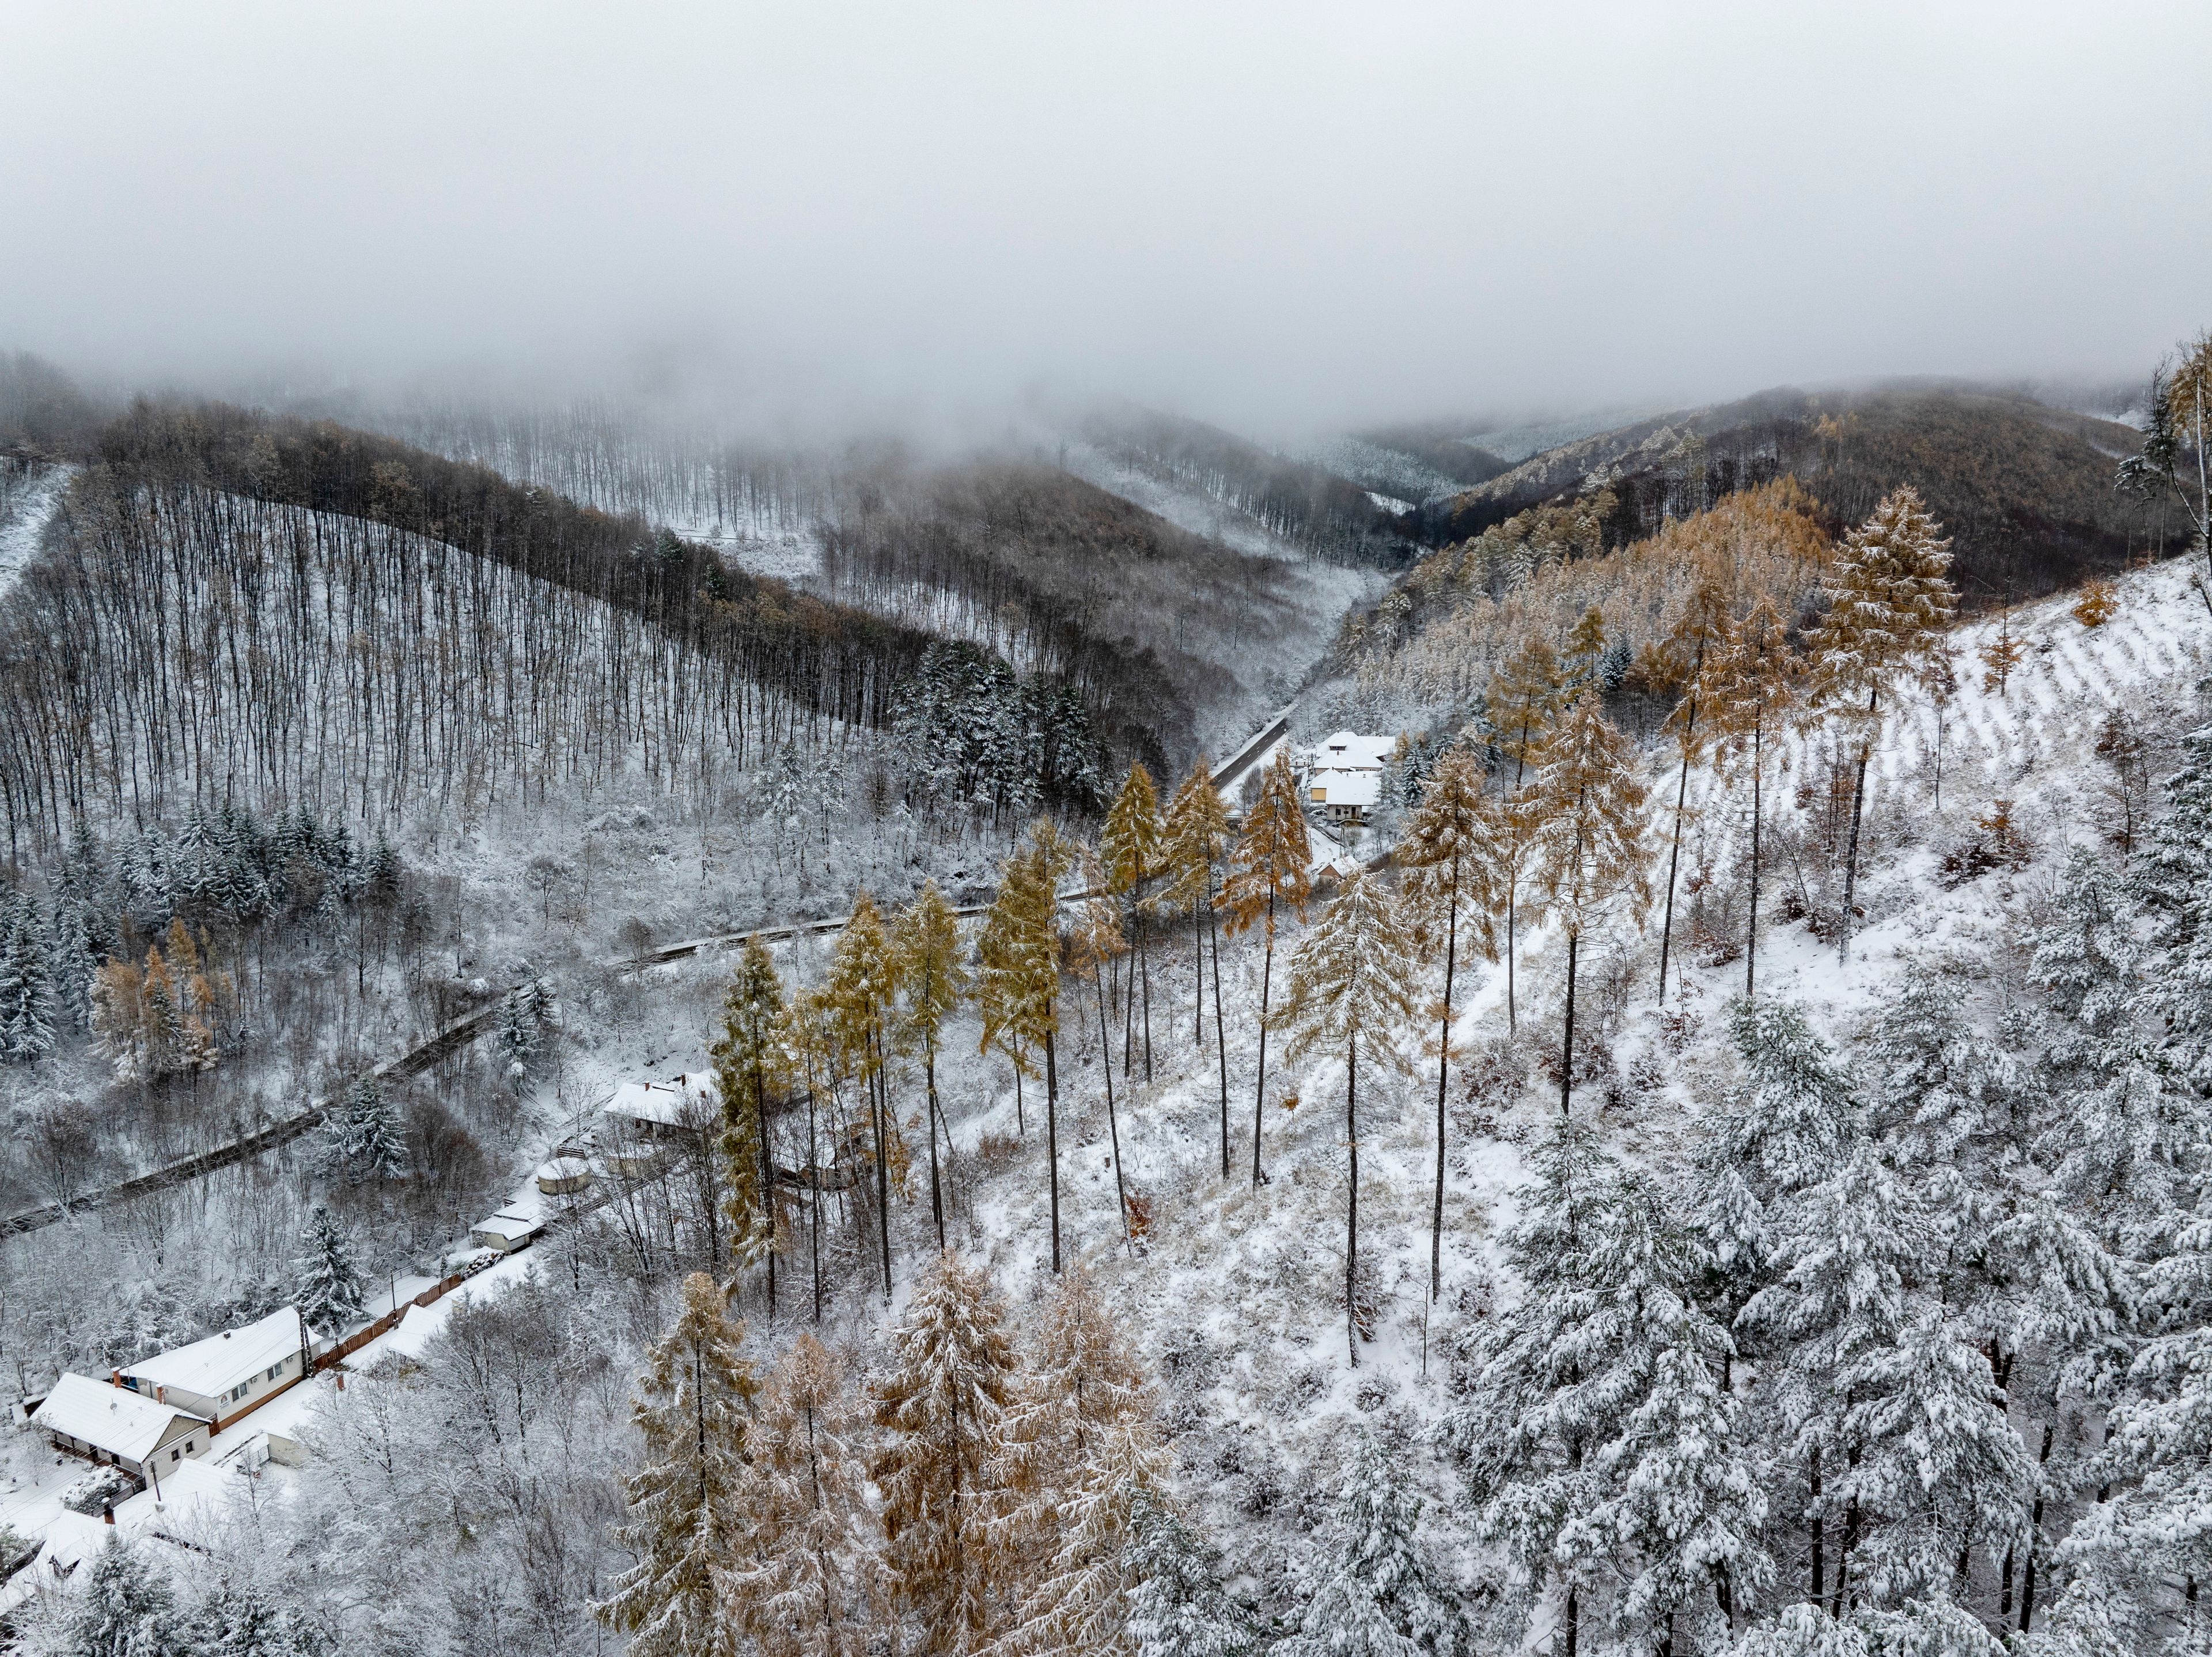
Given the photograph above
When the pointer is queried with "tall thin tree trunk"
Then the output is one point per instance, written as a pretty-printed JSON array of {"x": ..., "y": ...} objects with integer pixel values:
[
  {"x": 767, "y": 1173},
  {"x": 1852, "y": 856},
  {"x": 1820, "y": 1557},
  {"x": 1197, "y": 979},
  {"x": 1144, "y": 981},
  {"x": 1106, "y": 1063},
  {"x": 814, "y": 1200},
  {"x": 883, "y": 1172},
  {"x": 1750, "y": 932},
  {"x": 929, "y": 1082},
  {"x": 1351, "y": 1196},
  {"x": 1052, "y": 1139},
  {"x": 1567, "y": 1043},
  {"x": 2034, "y": 1530},
  {"x": 1674, "y": 855},
  {"x": 1443, "y": 1070},
  {"x": 1259, "y": 1084},
  {"x": 1220, "y": 1024},
  {"x": 1512, "y": 896}
]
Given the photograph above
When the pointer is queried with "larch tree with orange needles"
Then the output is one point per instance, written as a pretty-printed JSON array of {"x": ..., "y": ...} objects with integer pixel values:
[
  {"x": 1750, "y": 686},
  {"x": 1270, "y": 868},
  {"x": 1197, "y": 839}
]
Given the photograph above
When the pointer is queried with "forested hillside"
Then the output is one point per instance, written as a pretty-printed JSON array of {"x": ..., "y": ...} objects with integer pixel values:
[{"x": 2026, "y": 489}]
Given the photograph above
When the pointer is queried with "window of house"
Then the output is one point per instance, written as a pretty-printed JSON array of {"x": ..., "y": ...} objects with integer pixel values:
[{"x": 174, "y": 1454}]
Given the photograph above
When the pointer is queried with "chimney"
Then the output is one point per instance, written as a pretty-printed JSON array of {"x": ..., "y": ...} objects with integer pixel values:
[
  {"x": 115, "y": 1378},
  {"x": 107, "y": 1510}
]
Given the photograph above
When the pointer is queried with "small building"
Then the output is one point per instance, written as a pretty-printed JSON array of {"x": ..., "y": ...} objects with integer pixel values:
[
  {"x": 226, "y": 1376},
  {"x": 113, "y": 1424},
  {"x": 1344, "y": 775},
  {"x": 563, "y": 1176},
  {"x": 505, "y": 1232},
  {"x": 675, "y": 1109}
]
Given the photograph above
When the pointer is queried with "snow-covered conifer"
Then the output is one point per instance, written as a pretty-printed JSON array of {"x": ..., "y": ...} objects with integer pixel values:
[
  {"x": 940, "y": 1408},
  {"x": 1196, "y": 840},
  {"x": 748, "y": 1058},
  {"x": 247, "y": 1621},
  {"x": 1889, "y": 594},
  {"x": 1354, "y": 985},
  {"x": 1132, "y": 851},
  {"x": 129, "y": 1609},
  {"x": 927, "y": 935},
  {"x": 1269, "y": 867},
  {"x": 331, "y": 1297},
  {"x": 801, "y": 1590},
  {"x": 1452, "y": 853},
  {"x": 1177, "y": 1606},
  {"x": 27, "y": 1028},
  {"x": 1590, "y": 849},
  {"x": 1373, "y": 1537},
  {"x": 689, "y": 1519},
  {"x": 362, "y": 1138}
]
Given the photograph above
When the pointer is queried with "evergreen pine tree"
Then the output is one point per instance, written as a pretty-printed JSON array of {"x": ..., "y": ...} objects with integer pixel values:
[
  {"x": 689, "y": 1519},
  {"x": 1889, "y": 595},
  {"x": 1196, "y": 839},
  {"x": 519, "y": 1028},
  {"x": 927, "y": 935},
  {"x": 1591, "y": 849},
  {"x": 1270, "y": 867},
  {"x": 363, "y": 1139},
  {"x": 248, "y": 1622},
  {"x": 1352, "y": 989},
  {"x": 128, "y": 1608},
  {"x": 331, "y": 1297},
  {"x": 1177, "y": 1607},
  {"x": 939, "y": 1466},
  {"x": 1371, "y": 1539},
  {"x": 26, "y": 1030},
  {"x": 1451, "y": 854},
  {"x": 748, "y": 1060}
]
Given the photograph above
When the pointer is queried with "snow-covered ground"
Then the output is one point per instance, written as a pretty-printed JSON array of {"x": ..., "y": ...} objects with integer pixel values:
[{"x": 24, "y": 514}]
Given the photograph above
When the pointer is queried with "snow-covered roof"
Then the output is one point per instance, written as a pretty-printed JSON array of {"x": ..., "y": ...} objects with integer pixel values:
[
  {"x": 565, "y": 1167},
  {"x": 669, "y": 1103},
  {"x": 510, "y": 1226},
  {"x": 1350, "y": 749},
  {"x": 1345, "y": 788},
  {"x": 192, "y": 1492},
  {"x": 113, "y": 1418},
  {"x": 212, "y": 1367}
]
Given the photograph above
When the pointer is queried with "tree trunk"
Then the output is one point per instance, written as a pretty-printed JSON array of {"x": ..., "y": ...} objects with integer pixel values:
[
  {"x": 1052, "y": 1141},
  {"x": 1351, "y": 1196},
  {"x": 1443, "y": 1069},
  {"x": 1105, "y": 1064},
  {"x": 1819, "y": 1558},
  {"x": 882, "y": 1174},
  {"x": 1852, "y": 856},
  {"x": 767, "y": 1173},
  {"x": 929, "y": 1082},
  {"x": 1512, "y": 892},
  {"x": 1220, "y": 1023},
  {"x": 1259, "y": 1086},
  {"x": 2034, "y": 1530},
  {"x": 1574, "y": 1617},
  {"x": 1674, "y": 856},
  {"x": 1145, "y": 980},
  {"x": 814, "y": 1199},
  {"x": 1567, "y": 1042},
  {"x": 1751, "y": 931}
]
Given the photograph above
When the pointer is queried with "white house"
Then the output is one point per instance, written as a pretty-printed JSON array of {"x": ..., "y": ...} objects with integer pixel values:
[
  {"x": 225, "y": 1376},
  {"x": 109, "y": 1424},
  {"x": 663, "y": 1109},
  {"x": 1344, "y": 774}
]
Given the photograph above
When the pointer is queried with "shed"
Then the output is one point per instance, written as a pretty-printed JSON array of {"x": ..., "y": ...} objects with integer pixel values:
[
  {"x": 506, "y": 1232},
  {"x": 563, "y": 1176},
  {"x": 107, "y": 1423}
]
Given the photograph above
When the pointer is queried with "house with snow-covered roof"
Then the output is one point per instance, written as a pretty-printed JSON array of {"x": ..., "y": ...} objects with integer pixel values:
[
  {"x": 105, "y": 1422},
  {"x": 1344, "y": 774},
  {"x": 225, "y": 1376},
  {"x": 667, "y": 1109}
]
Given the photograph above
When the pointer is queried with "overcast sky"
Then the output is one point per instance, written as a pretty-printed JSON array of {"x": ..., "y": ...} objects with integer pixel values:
[{"x": 1277, "y": 215}]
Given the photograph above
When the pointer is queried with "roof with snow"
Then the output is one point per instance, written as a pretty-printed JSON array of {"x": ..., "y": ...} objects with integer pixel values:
[
  {"x": 668, "y": 1104},
  {"x": 112, "y": 1418},
  {"x": 507, "y": 1225},
  {"x": 1350, "y": 750},
  {"x": 1345, "y": 788},
  {"x": 212, "y": 1367}
]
